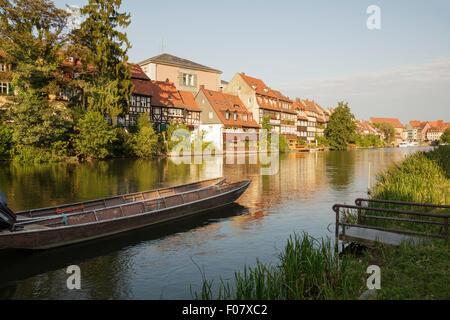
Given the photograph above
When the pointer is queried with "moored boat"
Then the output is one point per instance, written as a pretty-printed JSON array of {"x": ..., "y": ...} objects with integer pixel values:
[
  {"x": 57, "y": 231},
  {"x": 116, "y": 200}
]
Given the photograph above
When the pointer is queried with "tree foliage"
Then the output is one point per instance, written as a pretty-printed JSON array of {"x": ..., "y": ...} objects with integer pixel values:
[
  {"x": 341, "y": 129},
  {"x": 5, "y": 141},
  {"x": 145, "y": 141},
  {"x": 445, "y": 138},
  {"x": 103, "y": 49},
  {"x": 32, "y": 32},
  {"x": 388, "y": 131},
  {"x": 94, "y": 137}
]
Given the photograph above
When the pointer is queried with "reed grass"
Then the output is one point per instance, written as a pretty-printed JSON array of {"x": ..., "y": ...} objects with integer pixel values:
[
  {"x": 423, "y": 177},
  {"x": 307, "y": 269}
]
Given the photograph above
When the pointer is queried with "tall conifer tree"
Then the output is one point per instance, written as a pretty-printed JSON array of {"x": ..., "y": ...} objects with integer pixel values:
[{"x": 109, "y": 85}]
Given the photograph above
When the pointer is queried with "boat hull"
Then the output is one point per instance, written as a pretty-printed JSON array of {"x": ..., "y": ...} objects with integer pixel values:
[{"x": 63, "y": 236}]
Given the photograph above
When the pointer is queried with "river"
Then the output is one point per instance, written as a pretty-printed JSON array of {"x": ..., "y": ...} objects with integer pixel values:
[{"x": 163, "y": 261}]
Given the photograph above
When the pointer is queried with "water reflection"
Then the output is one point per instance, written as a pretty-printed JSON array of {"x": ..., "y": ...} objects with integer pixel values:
[{"x": 158, "y": 261}]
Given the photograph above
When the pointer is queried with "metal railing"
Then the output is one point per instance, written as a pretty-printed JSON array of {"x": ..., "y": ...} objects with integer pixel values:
[{"x": 392, "y": 215}]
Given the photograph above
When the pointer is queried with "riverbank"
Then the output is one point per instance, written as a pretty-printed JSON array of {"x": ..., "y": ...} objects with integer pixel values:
[{"x": 308, "y": 268}]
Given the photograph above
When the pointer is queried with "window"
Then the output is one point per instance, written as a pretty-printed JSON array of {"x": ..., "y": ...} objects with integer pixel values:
[
  {"x": 227, "y": 115},
  {"x": 4, "y": 88},
  {"x": 235, "y": 116},
  {"x": 188, "y": 80},
  {"x": 211, "y": 115},
  {"x": 2, "y": 68},
  {"x": 244, "y": 117}
]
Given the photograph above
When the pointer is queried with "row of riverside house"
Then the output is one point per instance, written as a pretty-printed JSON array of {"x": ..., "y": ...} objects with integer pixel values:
[
  {"x": 413, "y": 132},
  {"x": 186, "y": 92}
]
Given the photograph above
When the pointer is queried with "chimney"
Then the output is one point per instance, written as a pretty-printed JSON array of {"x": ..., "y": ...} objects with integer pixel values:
[
  {"x": 202, "y": 87},
  {"x": 221, "y": 89},
  {"x": 167, "y": 80},
  {"x": 297, "y": 100}
]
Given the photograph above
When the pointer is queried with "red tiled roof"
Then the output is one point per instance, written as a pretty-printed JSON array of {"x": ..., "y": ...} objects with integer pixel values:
[
  {"x": 415, "y": 124},
  {"x": 137, "y": 72},
  {"x": 394, "y": 121},
  {"x": 189, "y": 101},
  {"x": 142, "y": 84},
  {"x": 165, "y": 94},
  {"x": 259, "y": 86},
  {"x": 222, "y": 102}
]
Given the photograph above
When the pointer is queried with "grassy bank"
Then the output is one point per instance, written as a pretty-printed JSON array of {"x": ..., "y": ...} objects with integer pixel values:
[{"x": 308, "y": 268}]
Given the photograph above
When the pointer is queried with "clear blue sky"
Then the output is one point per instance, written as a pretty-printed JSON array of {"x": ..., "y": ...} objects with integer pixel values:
[{"x": 320, "y": 50}]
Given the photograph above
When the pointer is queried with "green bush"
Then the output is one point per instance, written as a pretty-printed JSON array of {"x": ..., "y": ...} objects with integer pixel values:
[
  {"x": 283, "y": 144},
  {"x": 94, "y": 138},
  {"x": 31, "y": 155},
  {"x": 6, "y": 144},
  {"x": 145, "y": 140},
  {"x": 123, "y": 147},
  {"x": 445, "y": 138}
]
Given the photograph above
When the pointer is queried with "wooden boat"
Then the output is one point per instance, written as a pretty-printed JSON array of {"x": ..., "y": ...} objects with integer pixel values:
[
  {"x": 114, "y": 201},
  {"x": 51, "y": 232}
]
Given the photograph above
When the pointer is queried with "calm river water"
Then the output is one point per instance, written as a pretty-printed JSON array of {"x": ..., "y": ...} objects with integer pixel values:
[{"x": 162, "y": 262}]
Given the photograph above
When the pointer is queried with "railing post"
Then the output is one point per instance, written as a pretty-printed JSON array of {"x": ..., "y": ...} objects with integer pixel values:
[
  {"x": 336, "y": 246},
  {"x": 446, "y": 229},
  {"x": 358, "y": 203}
]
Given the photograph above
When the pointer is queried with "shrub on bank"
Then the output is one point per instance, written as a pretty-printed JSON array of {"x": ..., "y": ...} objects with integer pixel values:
[
  {"x": 94, "y": 137},
  {"x": 422, "y": 177},
  {"x": 6, "y": 144}
]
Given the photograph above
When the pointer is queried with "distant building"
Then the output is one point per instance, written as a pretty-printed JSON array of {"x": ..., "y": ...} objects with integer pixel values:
[
  {"x": 225, "y": 115},
  {"x": 399, "y": 129},
  {"x": 288, "y": 119},
  {"x": 264, "y": 102},
  {"x": 302, "y": 120},
  {"x": 185, "y": 74},
  {"x": 366, "y": 128}
]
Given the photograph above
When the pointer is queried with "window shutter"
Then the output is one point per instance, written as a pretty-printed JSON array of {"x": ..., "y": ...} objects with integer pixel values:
[
  {"x": 195, "y": 81},
  {"x": 180, "y": 77}
]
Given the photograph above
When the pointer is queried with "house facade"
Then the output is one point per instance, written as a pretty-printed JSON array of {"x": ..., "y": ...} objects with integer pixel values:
[
  {"x": 185, "y": 74},
  {"x": 169, "y": 105},
  {"x": 140, "y": 102},
  {"x": 225, "y": 120},
  {"x": 264, "y": 102},
  {"x": 5, "y": 78},
  {"x": 288, "y": 119},
  {"x": 302, "y": 120}
]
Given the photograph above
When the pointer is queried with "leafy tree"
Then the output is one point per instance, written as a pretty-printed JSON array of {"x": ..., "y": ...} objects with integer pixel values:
[
  {"x": 283, "y": 144},
  {"x": 265, "y": 125},
  {"x": 32, "y": 35},
  {"x": 36, "y": 123},
  {"x": 95, "y": 137},
  {"x": 388, "y": 131},
  {"x": 103, "y": 47},
  {"x": 321, "y": 141},
  {"x": 341, "y": 129},
  {"x": 145, "y": 142},
  {"x": 445, "y": 138}
]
